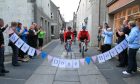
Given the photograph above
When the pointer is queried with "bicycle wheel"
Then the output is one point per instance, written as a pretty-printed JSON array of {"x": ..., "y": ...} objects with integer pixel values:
[{"x": 83, "y": 52}]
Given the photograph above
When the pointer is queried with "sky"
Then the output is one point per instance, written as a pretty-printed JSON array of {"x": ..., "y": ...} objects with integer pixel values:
[{"x": 67, "y": 7}]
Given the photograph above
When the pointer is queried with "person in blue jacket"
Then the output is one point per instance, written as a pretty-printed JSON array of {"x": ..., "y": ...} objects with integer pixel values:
[{"x": 133, "y": 45}]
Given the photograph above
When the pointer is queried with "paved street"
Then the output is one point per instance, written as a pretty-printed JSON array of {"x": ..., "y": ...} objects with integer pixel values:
[{"x": 39, "y": 71}]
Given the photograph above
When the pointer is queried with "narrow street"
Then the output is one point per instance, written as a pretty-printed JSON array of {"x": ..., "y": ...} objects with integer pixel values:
[{"x": 39, "y": 71}]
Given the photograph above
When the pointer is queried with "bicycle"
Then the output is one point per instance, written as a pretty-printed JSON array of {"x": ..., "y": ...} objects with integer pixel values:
[
  {"x": 68, "y": 47},
  {"x": 83, "y": 46}
]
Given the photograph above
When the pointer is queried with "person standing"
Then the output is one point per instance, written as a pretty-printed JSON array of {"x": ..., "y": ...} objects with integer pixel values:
[
  {"x": 2, "y": 29},
  {"x": 32, "y": 37},
  {"x": 24, "y": 38},
  {"x": 99, "y": 37},
  {"x": 41, "y": 36},
  {"x": 133, "y": 45},
  {"x": 108, "y": 36},
  {"x": 121, "y": 36},
  {"x": 13, "y": 46}
]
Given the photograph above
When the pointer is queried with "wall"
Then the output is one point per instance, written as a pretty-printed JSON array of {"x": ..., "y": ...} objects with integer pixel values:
[
  {"x": 43, "y": 17},
  {"x": 14, "y": 10}
]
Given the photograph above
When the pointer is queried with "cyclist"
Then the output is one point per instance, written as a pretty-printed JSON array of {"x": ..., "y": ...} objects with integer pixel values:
[
  {"x": 83, "y": 36},
  {"x": 75, "y": 34},
  {"x": 68, "y": 35}
]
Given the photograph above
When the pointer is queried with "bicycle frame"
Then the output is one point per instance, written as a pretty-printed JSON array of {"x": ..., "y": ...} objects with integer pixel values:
[
  {"x": 68, "y": 47},
  {"x": 83, "y": 45}
]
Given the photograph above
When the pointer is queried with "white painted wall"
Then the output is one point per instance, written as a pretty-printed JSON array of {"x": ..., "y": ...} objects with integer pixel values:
[
  {"x": 45, "y": 5},
  {"x": 15, "y": 10},
  {"x": 89, "y": 9}
]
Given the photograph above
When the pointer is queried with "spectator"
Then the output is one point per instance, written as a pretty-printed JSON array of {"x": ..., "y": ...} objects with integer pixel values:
[
  {"x": 108, "y": 35},
  {"x": 14, "y": 47},
  {"x": 133, "y": 44},
  {"x": 99, "y": 37},
  {"x": 35, "y": 36},
  {"x": 121, "y": 36},
  {"x": 2, "y": 68},
  {"x": 41, "y": 36},
  {"x": 24, "y": 38},
  {"x": 20, "y": 31},
  {"x": 32, "y": 37}
]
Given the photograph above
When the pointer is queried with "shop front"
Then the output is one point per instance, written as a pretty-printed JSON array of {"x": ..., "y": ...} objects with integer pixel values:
[{"x": 123, "y": 10}]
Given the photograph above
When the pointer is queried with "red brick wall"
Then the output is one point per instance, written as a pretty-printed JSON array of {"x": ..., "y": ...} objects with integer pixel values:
[{"x": 118, "y": 4}]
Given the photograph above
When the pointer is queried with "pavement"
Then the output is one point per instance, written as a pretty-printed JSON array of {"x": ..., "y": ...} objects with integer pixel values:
[{"x": 39, "y": 71}]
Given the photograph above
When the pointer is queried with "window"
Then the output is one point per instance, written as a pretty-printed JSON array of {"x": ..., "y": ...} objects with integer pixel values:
[{"x": 52, "y": 30}]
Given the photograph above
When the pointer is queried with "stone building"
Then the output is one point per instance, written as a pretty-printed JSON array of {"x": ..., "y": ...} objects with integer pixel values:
[
  {"x": 57, "y": 21},
  {"x": 26, "y": 12},
  {"x": 91, "y": 13}
]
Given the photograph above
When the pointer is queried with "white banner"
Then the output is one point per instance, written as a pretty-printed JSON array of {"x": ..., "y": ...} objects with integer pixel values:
[
  {"x": 19, "y": 43},
  {"x": 25, "y": 47},
  {"x": 69, "y": 64},
  {"x": 14, "y": 37},
  {"x": 62, "y": 63},
  {"x": 101, "y": 58},
  {"x": 55, "y": 62},
  {"x": 124, "y": 44},
  {"x": 76, "y": 63},
  {"x": 31, "y": 51},
  {"x": 107, "y": 55},
  {"x": 119, "y": 48},
  {"x": 113, "y": 52}
]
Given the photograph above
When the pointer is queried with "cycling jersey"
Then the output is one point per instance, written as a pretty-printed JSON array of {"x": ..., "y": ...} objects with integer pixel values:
[
  {"x": 68, "y": 35},
  {"x": 83, "y": 35}
]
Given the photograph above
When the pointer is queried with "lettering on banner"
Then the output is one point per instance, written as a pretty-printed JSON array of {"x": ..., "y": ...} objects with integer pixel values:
[
  {"x": 124, "y": 44},
  {"x": 113, "y": 52},
  {"x": 119, "y": 48},
  {"x": 69, "y": 64},
  {"x": 62, "y": 63},
  {"x": 31, "y": 51},
  {"x": 55, "y": 62},
  {"x": 19, "y": 43},
  {"x": 25, "y": 47},
  {"x": 107, "y": 56},
  {"x": 14, "y": 37},
  {"x": 76, "y": 64},
  {"x": 101, "y": 58}
]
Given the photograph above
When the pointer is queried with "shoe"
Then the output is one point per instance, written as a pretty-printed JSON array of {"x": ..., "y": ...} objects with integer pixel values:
[
  {"x": 126, "y": 73},
  {"x": 17, "y": 64},
  {"x": 5, "y": 71},
  {"x": 2, "y": 74},
  {"x": 25, "y": 60},
  {"x": 120, "y": 66}
]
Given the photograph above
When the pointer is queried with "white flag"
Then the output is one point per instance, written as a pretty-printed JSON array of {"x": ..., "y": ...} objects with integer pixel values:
[
  {"x": 76, "y": 63},
  {"x": 25, "y": 47},
  {"x": 69, "y": 64},
  {"x": 113, "y": 52},
  {"x": 31, "y": 51},
  {"x": 14, "y": 37},
  {"x": 19, "y": 43},
  {"x": 55, "y": 62},
  {"x": 107, "y": 55},
  {"x": 62, "y": 63},
  {"x": 119, "y": 48},
  {"x": 101, "y": 58}
]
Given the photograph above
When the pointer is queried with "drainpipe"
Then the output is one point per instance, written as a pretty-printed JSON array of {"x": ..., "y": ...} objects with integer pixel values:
[{"x": 99, "y": 11}]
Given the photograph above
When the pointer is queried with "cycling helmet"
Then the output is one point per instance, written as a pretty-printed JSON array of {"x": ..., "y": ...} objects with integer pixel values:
[
  {"x": 84, "y": 27},
  {"x": 69, "y": 28}
]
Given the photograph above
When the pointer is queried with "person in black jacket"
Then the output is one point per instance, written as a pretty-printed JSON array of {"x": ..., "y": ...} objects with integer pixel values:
[
  {"x": 2, "y": 68},
  {"x": 123, "y": 56}
]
